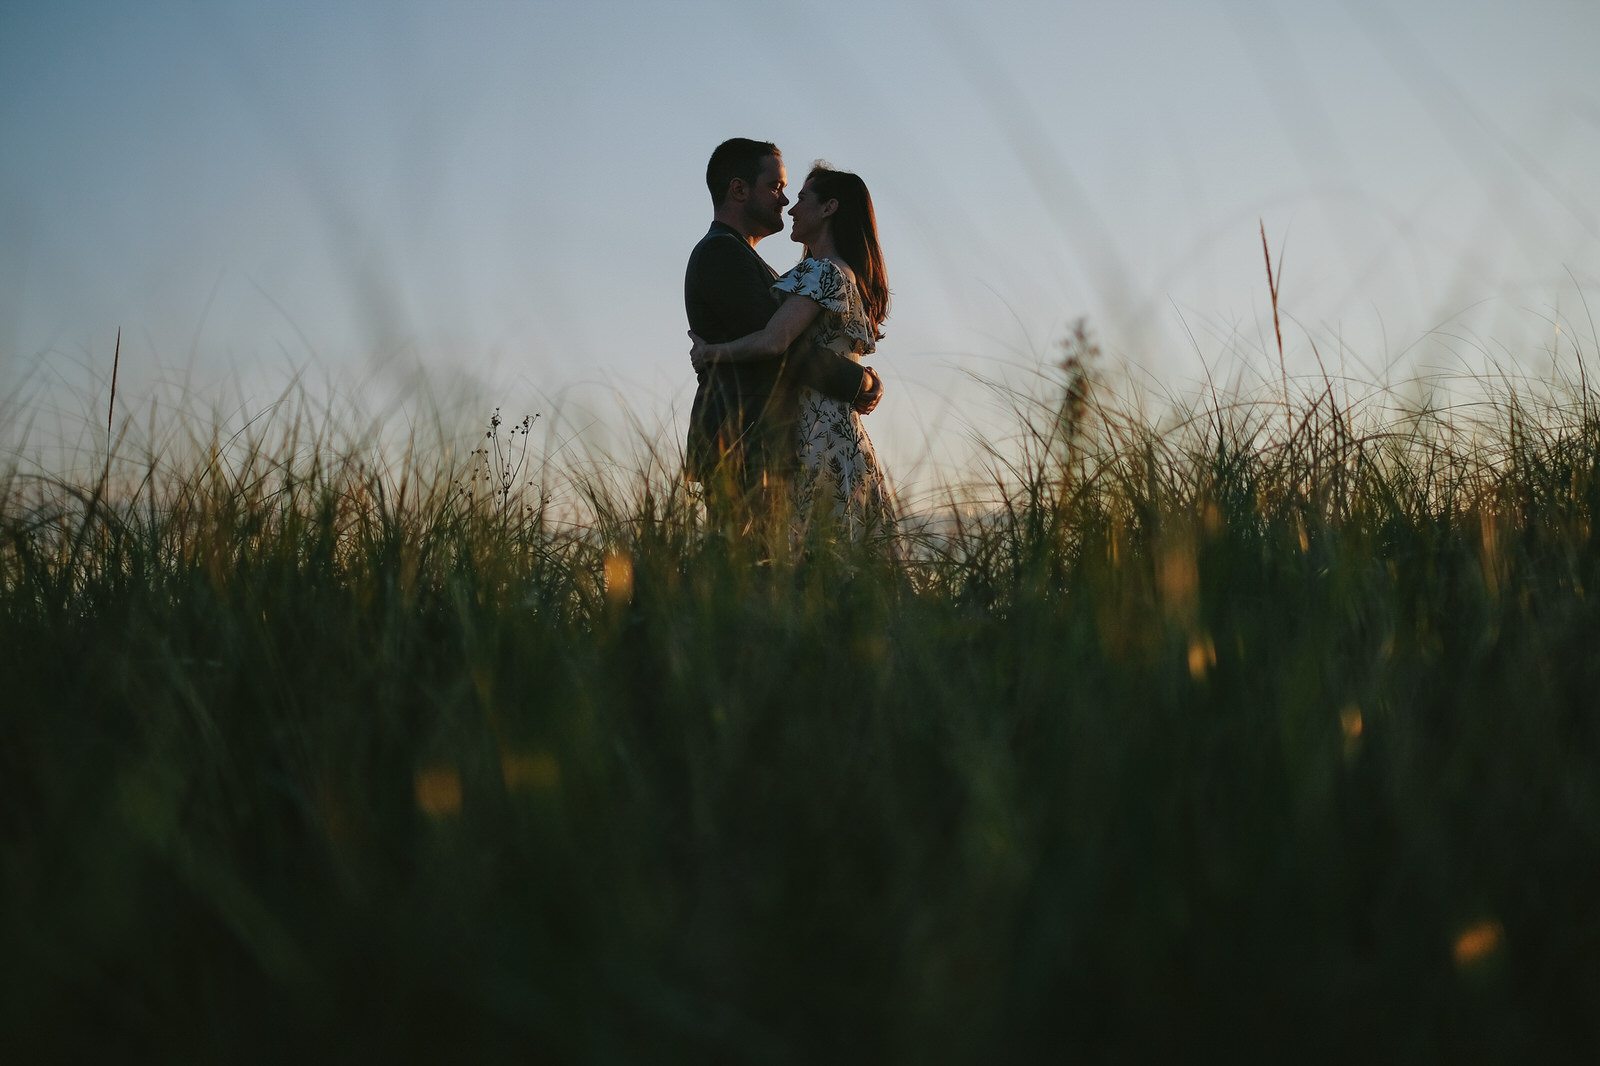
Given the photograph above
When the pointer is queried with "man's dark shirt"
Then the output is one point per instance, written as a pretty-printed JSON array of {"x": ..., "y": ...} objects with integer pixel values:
[{"x": 748, "y": 407}]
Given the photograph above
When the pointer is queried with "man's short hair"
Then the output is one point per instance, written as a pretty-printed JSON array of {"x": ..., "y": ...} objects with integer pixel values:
[{"x": 739, "y": 157}]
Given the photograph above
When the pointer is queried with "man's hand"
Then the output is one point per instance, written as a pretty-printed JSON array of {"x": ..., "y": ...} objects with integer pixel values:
[
  {"x": 871, "y": 391},
  {"x": 700, "y": 355}
]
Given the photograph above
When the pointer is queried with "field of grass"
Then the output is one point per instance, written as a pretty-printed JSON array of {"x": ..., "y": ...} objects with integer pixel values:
[{"x": 1270, "y": 730}]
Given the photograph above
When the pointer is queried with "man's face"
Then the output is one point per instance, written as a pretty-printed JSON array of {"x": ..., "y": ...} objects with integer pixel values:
[{"x": 763, "y": 209}]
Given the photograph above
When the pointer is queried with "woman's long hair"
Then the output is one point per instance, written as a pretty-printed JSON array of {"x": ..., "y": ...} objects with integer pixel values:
[{"x": 855, "y": 234}]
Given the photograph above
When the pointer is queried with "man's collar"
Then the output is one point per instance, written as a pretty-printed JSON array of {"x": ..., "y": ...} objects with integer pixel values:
[{"x": 718, "y": 226}]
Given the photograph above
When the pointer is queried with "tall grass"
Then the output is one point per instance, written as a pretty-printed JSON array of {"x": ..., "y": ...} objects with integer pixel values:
[{"x": 1267, "y": 727}]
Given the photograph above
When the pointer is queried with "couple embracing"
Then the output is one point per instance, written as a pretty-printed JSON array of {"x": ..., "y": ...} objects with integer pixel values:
[{"x": 776, "y": 422}]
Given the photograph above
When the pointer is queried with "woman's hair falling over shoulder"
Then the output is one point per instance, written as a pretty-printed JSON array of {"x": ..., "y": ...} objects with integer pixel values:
[{"x": 855, "y": 234}]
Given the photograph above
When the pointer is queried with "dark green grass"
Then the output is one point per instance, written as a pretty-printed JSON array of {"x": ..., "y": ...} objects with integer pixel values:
[{"x": 1274, "y": 734}]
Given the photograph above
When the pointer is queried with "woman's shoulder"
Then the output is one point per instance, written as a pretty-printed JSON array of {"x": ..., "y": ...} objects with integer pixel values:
[
  {"x": 828, "y": 268},
  {"x": 825, "y": 281}
]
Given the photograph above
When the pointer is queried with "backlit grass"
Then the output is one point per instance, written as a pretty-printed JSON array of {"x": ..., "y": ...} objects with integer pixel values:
[{"x": 1265, "y": 730}]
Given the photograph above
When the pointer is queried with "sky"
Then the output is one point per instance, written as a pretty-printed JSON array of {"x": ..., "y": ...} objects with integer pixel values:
[{"x": 492, "y": 203}]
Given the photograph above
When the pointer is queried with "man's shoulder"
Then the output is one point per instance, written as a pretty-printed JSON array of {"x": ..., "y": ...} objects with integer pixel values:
[
  {"x": 721, "y": 244},
  {"x": 724, "y": 263}
]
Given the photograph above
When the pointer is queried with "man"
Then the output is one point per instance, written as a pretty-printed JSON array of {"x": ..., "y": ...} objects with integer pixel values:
[{"x": 741, "y": 427}]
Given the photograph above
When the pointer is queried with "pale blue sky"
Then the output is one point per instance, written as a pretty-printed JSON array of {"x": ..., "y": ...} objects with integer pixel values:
[{"x": 506, "y": 193}]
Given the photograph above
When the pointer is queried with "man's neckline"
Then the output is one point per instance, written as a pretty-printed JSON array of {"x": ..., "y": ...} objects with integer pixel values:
[{"x": 722, "y": 227}]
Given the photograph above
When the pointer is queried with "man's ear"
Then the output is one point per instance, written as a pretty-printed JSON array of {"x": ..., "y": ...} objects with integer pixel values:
[{"x": 738, "y": 190}]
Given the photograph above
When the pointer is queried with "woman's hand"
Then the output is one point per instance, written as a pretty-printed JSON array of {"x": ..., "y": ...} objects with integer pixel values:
[{"x": 701, "y": 354}]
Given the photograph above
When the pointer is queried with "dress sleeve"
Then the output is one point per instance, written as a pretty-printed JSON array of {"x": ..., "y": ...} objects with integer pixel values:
[{"x": 819, "y": 279}]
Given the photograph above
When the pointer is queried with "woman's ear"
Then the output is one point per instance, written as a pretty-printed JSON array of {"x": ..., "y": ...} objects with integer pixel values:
[{"x": 829, "y": 208}]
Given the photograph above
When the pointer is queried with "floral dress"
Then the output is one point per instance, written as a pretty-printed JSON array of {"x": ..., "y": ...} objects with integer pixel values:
[{"x": 840, "y": 479}]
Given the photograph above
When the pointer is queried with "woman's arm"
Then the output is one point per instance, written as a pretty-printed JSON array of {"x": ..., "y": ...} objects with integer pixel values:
[{"x": 782, "y": 330}]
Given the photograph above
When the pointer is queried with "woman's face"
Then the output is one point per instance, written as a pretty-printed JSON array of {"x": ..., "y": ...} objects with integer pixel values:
[{"x": 810, "y": 215}]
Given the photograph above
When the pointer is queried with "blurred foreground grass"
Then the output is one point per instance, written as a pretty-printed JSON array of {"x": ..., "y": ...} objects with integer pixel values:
[{"x": 1272, "y": 732}]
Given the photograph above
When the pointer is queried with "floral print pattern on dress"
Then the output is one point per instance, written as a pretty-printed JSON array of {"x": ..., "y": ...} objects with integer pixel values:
[{"x": 840, "y": 480}]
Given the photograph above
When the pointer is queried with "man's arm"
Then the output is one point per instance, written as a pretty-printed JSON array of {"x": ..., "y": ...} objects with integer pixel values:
[{"x": 838, "y": 377}]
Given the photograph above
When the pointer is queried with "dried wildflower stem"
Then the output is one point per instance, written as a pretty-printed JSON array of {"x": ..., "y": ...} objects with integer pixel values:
[
  {"x": 1277, "y": 328},
  {"x": 116, "y": 362}
]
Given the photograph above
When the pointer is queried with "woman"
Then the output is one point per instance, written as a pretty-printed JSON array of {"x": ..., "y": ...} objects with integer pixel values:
[{"x": 836, "y": 298}]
